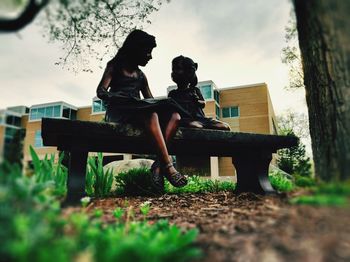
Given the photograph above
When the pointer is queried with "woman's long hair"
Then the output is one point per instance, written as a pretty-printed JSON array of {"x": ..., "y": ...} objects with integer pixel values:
[{"x": 136, "y": 42}]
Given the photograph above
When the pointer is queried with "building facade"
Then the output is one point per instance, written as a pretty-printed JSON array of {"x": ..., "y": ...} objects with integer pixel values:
[
  {"x": 12, "y": 129},
  {"x": 245, "y": 108}
]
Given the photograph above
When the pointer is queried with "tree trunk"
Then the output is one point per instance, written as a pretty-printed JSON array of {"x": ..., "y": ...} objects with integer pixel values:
[{"x": 324, "y": 38}]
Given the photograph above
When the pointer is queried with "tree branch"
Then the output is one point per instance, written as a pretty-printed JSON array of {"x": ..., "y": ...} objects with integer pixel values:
[{"x": 25, "y": 18}]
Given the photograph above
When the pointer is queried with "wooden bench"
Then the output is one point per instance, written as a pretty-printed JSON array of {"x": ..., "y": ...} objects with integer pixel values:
[{"x": 251, "y": 153}]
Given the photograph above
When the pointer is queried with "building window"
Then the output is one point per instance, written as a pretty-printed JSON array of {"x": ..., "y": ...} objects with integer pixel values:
[
  {"x": 2, "y": 119},
  {"x": 13, "y": 120},
  {"x": 10, "y": 132},
  {"x": 232, "y": 111},
  {"x": 98, "y": 106},
  {"x": 217, "y": 111},
  {"x": 217, "y": 96},
  {"x": 206, "y": 91},
  {"x": 66, "y": 112},
  {"x": 48, "y": 111},
  {"x": 69, "y": 113},
  {"x": 38, "y": 140}
]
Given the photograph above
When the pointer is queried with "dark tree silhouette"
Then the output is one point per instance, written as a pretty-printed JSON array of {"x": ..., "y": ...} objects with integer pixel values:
[
  {"x": 85, "y": 28},
  {"x": 26, "y": 17}
]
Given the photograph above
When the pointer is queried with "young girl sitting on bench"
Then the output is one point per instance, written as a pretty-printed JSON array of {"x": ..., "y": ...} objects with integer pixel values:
[{"x": 189, "y": 97}]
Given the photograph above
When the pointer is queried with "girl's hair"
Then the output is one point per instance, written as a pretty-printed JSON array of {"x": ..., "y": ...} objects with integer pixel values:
[
  {"x": 136, "y": 42},
  {"x": 190, "y": 68}
]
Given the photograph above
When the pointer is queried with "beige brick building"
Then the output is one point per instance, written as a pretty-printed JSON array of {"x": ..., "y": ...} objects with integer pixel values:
[{"x": 245, "y": 108}]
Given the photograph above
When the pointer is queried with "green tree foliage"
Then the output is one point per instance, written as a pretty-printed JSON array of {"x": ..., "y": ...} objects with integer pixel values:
[
  {"x": 291, "y": 55},
  {"x": 94, "y": 27},
  {"x": 86, "y": 28},
  {"x": 294, "y": 160}
]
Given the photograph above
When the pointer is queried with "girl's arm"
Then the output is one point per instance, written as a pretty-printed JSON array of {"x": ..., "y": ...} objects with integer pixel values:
[
  {"x": 102, "y": 88},
  {"x": 200, "y": 101},
  {"x": 146, "y": 92}
]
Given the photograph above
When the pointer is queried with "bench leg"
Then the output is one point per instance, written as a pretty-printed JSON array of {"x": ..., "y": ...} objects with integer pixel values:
[
  {"x": 252, "y": 172},
  {"x": 76, "y": 177}
]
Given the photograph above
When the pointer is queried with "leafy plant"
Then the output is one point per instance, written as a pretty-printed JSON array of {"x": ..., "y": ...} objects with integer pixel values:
[
  {"x": 280, "y": 182},
  {"x": 335, "y": 188},
  {"x": 98, "y": 181},
  {"x": 118, "y": 213},
  {"x": 47, "y": 170},
  {"x": 136, "y": 181},
  {"x": 145, "y": 207},
  {"x": 143, "y": 242},
  {"x": 326, "y": 194},
  {"x": 304, "y": 181},
  {"x": 29, "y": 207},
  {"x": 197, "y": 184},
  {"x": 320, "y": 200},
  {"x": 32, "y": 227}
]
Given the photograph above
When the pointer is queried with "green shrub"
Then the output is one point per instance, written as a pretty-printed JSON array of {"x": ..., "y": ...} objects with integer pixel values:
[
  {"x": 280, "y": 182},
  {"x": 98, "y": 182},
  {"x": 304, "y": 181},
  {"x": 134, "y": 182},
  {"x": 198, "y": 185},
  {"x": 138, "y": 182},
  {"x": 28, "y": 208},
  {"x": 140, "y": 241},
  {"x": 320, "y": 200},
  {"x": 334, "y": 188},
  {"x": 326, "y": 194}
]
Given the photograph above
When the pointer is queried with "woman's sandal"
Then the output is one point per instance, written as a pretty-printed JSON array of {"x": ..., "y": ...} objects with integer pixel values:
[
  {"x": 176, "y": 178},
  {"x": 156, "y": 177}
]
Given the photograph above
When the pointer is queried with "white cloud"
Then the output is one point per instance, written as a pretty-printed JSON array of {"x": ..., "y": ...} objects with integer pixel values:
[{"x": 235, "y": 42}]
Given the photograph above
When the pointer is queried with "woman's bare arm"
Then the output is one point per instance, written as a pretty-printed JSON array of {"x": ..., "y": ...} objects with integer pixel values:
[
  {"x": 146, "y": 92},
  {"x": 102, "y": 87}
]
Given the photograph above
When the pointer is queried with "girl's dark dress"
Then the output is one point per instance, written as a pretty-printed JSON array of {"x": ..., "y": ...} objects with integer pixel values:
[
  {"x": 124, "y": 104},
  {"x": 188, "y": 100}
]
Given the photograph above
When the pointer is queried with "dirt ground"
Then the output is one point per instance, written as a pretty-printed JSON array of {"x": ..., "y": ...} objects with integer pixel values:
[{"x": 247, "y": 227}]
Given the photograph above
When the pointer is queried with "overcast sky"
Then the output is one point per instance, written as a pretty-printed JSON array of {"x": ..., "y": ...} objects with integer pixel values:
[{"x": 235, "y": 42}]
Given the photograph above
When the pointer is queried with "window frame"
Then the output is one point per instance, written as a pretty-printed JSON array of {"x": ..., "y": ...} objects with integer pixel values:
[
  {"x": 98, "y": 109},
  {"x": 38, "y": 139},
  {"x": 201, "y": 88},
  {"x": 229, "y": 113}
]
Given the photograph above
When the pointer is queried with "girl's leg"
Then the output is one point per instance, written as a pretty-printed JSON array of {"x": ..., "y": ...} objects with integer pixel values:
[
  {"x": 218, "y": 125},
  {"x": 153, "y": 126},
  {"x": 171, "y": 127},
  {"x": 222, "y": 126},
  {"x": 169, "y": 132},
  {"x": 195, "y": 124}
]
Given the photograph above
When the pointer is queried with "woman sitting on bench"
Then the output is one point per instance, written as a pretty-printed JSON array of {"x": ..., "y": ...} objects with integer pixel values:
[{"x": 120, "y": 89}]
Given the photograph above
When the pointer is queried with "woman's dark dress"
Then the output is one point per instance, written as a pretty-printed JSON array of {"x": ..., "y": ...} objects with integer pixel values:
[
  {"x": 124, "y": 104},
  {"x": 188, "y": 99}
]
